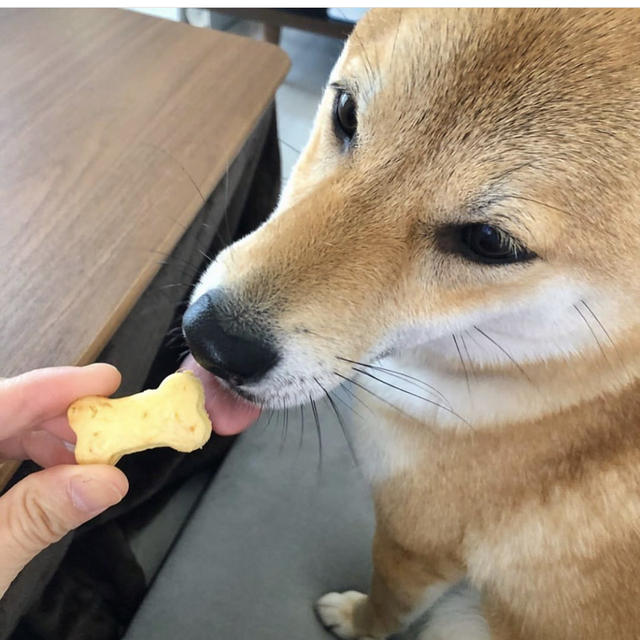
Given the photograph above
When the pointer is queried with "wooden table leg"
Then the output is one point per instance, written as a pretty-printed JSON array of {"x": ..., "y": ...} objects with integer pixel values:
[{"x": 271, "y": 33}]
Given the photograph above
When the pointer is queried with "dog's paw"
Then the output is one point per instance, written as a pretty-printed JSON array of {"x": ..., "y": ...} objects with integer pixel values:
[{"x": 335, "y": 610}]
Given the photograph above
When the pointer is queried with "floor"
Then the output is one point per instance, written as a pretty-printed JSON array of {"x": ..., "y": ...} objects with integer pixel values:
[{"x": 312, "y": 57}]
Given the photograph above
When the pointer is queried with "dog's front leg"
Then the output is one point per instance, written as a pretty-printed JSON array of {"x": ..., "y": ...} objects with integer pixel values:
[{"x": 404, "y": 585}]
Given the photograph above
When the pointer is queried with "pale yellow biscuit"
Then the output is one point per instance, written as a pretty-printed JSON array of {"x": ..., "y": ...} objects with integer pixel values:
[{"x": 173, "y": 415}]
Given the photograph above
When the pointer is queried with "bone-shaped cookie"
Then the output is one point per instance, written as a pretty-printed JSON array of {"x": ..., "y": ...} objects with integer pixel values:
[{"x": 173, "y": 415}]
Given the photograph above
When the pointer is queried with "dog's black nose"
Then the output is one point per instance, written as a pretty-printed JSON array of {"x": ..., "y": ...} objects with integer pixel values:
[{"x": 226, "y": 341}]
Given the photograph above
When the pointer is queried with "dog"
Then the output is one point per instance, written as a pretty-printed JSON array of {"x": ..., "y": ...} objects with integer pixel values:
[{"x": 459, "y": 242}]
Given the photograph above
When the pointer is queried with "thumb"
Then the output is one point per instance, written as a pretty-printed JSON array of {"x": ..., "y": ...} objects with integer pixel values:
[{"x": 48, "y": 504}]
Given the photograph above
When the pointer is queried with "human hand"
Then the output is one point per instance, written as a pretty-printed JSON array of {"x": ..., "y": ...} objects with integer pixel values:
[{"x": 46, "y": 505}]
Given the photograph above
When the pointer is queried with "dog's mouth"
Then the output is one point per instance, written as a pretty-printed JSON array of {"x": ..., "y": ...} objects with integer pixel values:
[{"x": 229, "y": 412}]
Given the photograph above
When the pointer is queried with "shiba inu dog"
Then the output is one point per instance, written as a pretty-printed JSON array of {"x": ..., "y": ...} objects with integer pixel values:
[{"x": 460, "y": 240}]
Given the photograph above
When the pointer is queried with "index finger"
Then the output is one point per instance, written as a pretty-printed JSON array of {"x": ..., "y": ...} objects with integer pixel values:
[{"x": 35, "y": 396}]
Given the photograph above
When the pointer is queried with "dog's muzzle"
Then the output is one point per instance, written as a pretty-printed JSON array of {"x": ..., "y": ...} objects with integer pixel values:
[{"x": 227, "y": 340}]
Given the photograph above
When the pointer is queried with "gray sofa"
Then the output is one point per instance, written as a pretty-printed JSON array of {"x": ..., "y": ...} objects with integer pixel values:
[{"x": 271, "y": 533}]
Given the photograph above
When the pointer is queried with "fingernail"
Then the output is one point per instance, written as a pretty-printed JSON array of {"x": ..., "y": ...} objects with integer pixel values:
[
  {"x": 92, "y": 496},
  {"x": 69, "y": 446}
]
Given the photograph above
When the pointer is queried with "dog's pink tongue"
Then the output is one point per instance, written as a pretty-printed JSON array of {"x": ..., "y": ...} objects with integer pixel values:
[{"x": 229, "y": 413}]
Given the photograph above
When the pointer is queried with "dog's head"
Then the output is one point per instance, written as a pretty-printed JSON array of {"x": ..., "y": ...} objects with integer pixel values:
[{"x": 468, "y": 199}]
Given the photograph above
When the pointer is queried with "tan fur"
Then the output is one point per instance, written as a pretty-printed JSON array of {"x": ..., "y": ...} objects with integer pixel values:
[{"x": 531, "y": 117}]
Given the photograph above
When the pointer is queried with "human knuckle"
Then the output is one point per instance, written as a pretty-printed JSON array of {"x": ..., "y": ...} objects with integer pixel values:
[{"x": 31, "y": 525}]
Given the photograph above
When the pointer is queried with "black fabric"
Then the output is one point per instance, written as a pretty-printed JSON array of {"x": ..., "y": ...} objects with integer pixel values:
[
  {"x": 93, "y": 595},
  {"x": 28, "y": 586},
  {"x": 89, "y": 585},
  {"x": 99, "y": 584},
  {"x": 265, "y": 187}
]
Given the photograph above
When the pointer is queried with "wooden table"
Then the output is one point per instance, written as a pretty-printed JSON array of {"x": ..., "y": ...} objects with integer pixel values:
[{"x": 112, "y": 125}]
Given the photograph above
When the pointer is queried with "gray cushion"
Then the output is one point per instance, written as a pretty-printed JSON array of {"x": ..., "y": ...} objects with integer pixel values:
[
  {"x": 151, "y": 543},
  {"x": 271, "y": 534}
]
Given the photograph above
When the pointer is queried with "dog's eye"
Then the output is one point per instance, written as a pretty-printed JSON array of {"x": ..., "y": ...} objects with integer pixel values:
[
  {"x": 488, "y": 244},
  {"x": 345, "y": 116}
]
